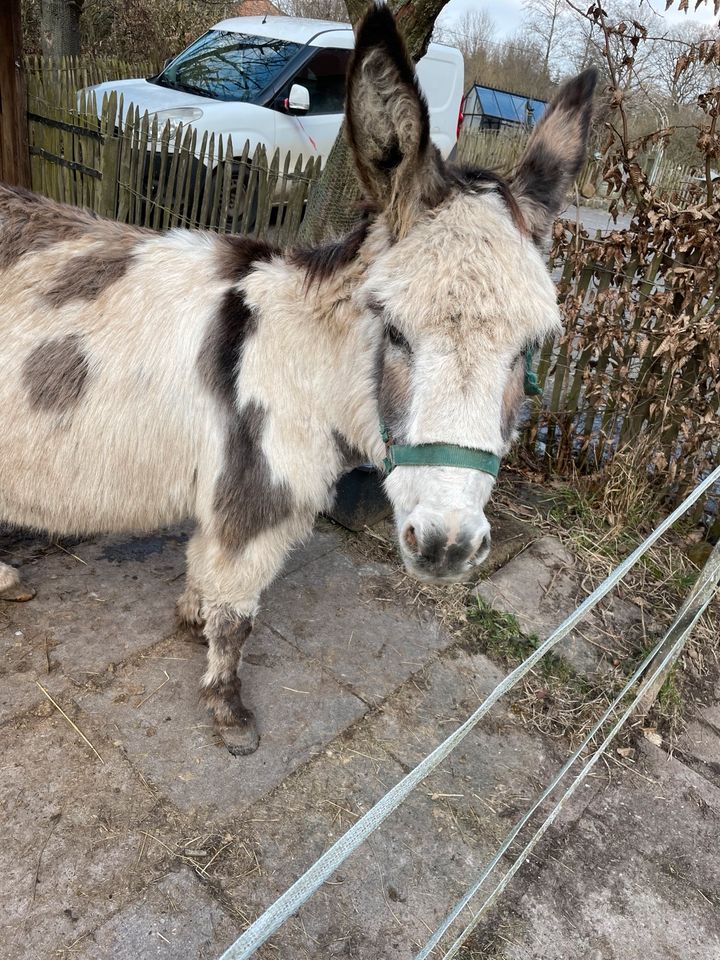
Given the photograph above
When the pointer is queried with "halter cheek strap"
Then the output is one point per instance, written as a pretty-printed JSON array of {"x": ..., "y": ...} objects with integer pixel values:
[{"x": 450, "y": 454}]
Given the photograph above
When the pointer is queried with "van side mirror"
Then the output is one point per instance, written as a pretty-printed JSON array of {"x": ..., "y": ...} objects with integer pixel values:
[{"x": 299, "y": 99}]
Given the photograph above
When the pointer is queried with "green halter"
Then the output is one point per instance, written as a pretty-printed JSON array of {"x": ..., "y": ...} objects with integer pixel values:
[{"x": 450, "y": 454}]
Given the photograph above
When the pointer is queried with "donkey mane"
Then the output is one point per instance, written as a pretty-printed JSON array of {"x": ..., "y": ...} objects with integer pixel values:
[
  {"x": 324, "y": 260},
  {"x": 482, "y": 180}
]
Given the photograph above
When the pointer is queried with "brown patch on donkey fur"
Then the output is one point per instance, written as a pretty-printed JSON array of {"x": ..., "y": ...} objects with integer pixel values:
[
  {"x": 29, "y": 223},
  {"x": 247, "y": 499},
  {"x": 87, "y": 275},
  {"x": 55, "y": 373}
]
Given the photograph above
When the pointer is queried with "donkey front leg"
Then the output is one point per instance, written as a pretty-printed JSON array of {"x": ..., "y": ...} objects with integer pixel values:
[
  {"x": 227, "y": 629},
  {"x": 11, "y": 587},
  {"x": 189, "y": 606},
  {"x": 230, "y": 580}
]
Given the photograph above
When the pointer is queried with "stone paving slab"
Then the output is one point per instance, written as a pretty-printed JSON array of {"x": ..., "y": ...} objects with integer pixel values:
[
  {"x": 700, "y": 741},
  {"x": 110, "y": 600},
  {"x": 490, "y": 769},
  {"x": 326, "y": 537},
  {"x": 541, "y": 588},
  {"x": 343, "y": 614},
  {"x": 153, "y": 712},
  {"x": 636, "y": 877},
  {"x": 72, "y": 835},
  {"x": 176, "y": 917},
  {"x": 383, "y": 900}
]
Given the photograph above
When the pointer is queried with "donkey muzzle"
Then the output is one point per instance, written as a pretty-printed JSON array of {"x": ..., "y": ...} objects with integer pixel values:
[{"x": 438, "y": 554}]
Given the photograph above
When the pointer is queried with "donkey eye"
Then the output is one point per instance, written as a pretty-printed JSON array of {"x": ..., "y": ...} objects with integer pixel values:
[{"x": 396, "y": 338}]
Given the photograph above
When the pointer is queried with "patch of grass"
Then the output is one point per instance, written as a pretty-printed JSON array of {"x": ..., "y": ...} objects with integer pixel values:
[
  {"x": 499, "y": 636},
  {"x": 668, "y": 708}
]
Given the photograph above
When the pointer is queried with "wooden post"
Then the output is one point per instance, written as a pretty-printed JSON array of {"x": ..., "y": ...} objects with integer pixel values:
[{"x": 14, "y": 151}]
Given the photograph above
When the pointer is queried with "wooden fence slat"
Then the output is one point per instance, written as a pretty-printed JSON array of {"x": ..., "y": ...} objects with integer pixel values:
[
  {"x": 239, "y": 187},
  {"x": 191, "y": 166},
  {"x": 148, "y": 190},
  {"x": 109, "y": 158}
]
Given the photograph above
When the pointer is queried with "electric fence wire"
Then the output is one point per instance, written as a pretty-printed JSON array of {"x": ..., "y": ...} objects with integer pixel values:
[{"x": 705, "y": 588}]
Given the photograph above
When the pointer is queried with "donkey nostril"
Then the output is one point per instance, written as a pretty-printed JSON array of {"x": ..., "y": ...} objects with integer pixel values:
[{"x": 410, "y": 538}]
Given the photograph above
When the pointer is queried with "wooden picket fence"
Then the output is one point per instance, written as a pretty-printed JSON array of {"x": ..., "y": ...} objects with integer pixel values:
[
  {"x": 501, "y": 150},
  {"x": 124, "y": 166},
  {"x": 489, "y": 149}
]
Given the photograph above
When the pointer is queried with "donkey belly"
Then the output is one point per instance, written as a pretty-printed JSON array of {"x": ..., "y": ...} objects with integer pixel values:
[
  {"x": 98, "y": 469},
  {"x": 97, "y": 434}
]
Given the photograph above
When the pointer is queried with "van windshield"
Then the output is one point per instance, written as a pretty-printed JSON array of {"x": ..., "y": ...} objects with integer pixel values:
[{"x": 228, "y": 66}]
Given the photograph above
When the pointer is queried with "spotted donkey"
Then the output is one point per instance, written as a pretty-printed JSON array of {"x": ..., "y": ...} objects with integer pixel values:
[{"x": 147, "y": 378}]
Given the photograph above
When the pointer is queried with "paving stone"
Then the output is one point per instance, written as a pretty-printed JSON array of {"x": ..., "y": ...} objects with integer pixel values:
[
  {"x": 91, "y": 613},
  {"x": 701, "y": 740},
  {"x": 636, "y": 877},
  {"x": 490, "y": 768},
  {"x": 175, "y": 919},
  {"x": 71, "y": 839},
  {"x": 343, "y": 614},
  {"x": 539, "y": 587},
  {"x": 153, "y": 711},
  {"x": 383, "y": 900},
  {"x": 325, "y": 538},
  {"x": 113, "y": 599}
]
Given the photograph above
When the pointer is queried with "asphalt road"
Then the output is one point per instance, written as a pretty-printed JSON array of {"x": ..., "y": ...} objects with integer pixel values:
[{"x": 593, "y": 219}]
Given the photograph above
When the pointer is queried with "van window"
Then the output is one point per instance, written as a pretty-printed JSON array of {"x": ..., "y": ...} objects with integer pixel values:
[
  {"x": 324, "y": 76},
  {"x": 228, "y": 66}
]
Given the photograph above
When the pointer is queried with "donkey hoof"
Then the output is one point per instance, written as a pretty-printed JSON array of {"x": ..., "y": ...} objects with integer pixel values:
[
  {"x": 17, "y": 593},
  {"x": 242, "y": 739},
  {"x": 234, "y": 723}
]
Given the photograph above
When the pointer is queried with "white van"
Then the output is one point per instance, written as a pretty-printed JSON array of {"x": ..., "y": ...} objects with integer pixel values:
[{"x": 280, "y": 82}]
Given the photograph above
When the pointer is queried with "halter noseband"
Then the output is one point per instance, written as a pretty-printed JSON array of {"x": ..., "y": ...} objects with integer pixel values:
[{"x": 450, "y": 454}]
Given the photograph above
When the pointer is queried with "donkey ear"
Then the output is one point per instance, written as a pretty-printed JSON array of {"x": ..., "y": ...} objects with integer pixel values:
[
  {"x": 387, "y": 123},
  {"x": 555, "y": 153}
]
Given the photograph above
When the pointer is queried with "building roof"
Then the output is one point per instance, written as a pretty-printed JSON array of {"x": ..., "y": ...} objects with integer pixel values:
[
  {"x": 506, "y": 106},
  {"x": 256, "y": 8}
]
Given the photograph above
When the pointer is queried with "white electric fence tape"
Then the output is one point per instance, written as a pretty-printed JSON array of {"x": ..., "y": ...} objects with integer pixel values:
[
  {"x": 704, "y": 589},
  {"x": 295, "y": 896}
]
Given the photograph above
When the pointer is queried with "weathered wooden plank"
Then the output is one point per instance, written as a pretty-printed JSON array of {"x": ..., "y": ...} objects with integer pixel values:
[
  {"x": 14, "y": 144},
  {"x": 109, "y": 159}
]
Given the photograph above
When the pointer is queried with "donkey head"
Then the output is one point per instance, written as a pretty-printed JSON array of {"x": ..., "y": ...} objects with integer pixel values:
[{"x": 463, "y": 290}]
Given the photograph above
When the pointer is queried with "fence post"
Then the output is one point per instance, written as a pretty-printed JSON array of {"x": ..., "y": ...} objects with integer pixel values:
[{"x": 14, "y": 147}]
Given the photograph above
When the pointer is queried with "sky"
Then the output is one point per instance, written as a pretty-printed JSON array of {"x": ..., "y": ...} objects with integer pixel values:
[{"x": 508, "y": 14}]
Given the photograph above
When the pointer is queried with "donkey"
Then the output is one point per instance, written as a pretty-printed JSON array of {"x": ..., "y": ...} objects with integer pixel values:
[{"x": 150, "y": 377}]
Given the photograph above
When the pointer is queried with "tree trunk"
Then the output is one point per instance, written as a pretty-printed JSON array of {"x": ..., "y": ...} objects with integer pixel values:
[
  {"x": 334, "y": 201},
  {"x": 60, "y": 27}
]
